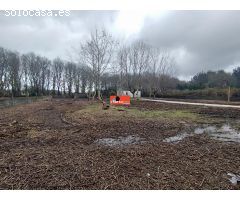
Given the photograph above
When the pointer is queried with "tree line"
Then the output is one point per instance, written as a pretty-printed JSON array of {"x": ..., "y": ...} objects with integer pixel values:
[
  {"x": 212, "y": 79},
  {"x": 34, "y": 75},
  {"x": 104, "y": 65}
]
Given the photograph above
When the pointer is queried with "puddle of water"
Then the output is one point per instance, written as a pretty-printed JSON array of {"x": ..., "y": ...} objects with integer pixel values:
[
  {"x": 227, "y": 137},
  {"x": 177, "y": 138},
  {"x": 235, "y": 179},
  {"x": 208, "y": 129},
  {"x": 224, "y": 133},
  {"x": 120, "y": 141}
]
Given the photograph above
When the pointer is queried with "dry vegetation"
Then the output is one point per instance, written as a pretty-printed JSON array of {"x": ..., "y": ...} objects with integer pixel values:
[{"x": 56, "y": 145}]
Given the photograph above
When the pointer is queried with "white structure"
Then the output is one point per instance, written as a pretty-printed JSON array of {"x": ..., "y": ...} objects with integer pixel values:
[{"x": 137, "y": 94}]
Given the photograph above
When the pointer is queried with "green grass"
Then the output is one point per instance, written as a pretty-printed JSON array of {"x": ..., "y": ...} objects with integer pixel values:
[
  {"x": 95, "y": 110},
  {"x": 170, "y": 114}
]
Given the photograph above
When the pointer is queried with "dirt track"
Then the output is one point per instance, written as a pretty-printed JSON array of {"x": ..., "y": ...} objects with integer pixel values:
[
  {"x": 54, "y": 145},
  {"x": 192, "y": 103}
]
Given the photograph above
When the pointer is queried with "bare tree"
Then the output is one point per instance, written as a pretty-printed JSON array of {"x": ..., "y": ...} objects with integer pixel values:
[
  {"x": 30, "y": 62},
  {"x": 124, "y": 67},
  {"x": 87, "y": 80},
  {"x": 140, "y": 66},
  {"x": 44, "y": 67},
  {"x": 48, "y": 79},
  {"x": 13, "y": 62},
  {"x": 36, "y": 71},
  {"x": 3, "y": 70},
  {"x": 97, "y": 53},
  {"x": 85, "y": 77},
  {"x": 58, "y": 66},
  {"x": 133, "y": 62},
  {"x": 166, "y": 73},
  {"x": 77, "y": 78},
  {"x": 160, "y": 68},
  {"x": 69, "y": 74},
  {"x": 25, "y": 68},
  {"x": 139, "y": 59}
]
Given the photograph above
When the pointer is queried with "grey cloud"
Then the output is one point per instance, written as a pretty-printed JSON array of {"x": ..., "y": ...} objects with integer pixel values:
[
  {"x": 199, "y": 40},
  {"x": 50, "y": 36},
  {"x": 210, "y": 38}
]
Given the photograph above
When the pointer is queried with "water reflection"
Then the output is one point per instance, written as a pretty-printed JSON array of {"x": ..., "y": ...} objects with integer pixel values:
[
  {"x": 120, "y": 141},
  {"x": 224, "y": 133}
]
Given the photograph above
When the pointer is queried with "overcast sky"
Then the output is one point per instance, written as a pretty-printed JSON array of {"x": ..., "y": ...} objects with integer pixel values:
[{"x": 199, "y": 40}]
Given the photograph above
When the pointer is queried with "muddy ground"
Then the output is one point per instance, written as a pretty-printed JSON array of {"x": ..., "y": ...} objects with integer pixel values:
[{"x": 67, "y": 144}]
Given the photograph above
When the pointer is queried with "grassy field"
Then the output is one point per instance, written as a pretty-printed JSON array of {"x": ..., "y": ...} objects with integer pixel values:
[{"x": 121, "y": 111}]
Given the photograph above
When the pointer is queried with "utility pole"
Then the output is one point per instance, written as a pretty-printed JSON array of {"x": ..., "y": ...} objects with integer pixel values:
[
  {"x": 227, "y": 83},
  {"x": 229, "y": 93}
]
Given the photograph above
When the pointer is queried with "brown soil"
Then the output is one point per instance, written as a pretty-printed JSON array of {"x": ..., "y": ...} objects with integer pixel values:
[{"x": 46, "y": 145}]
